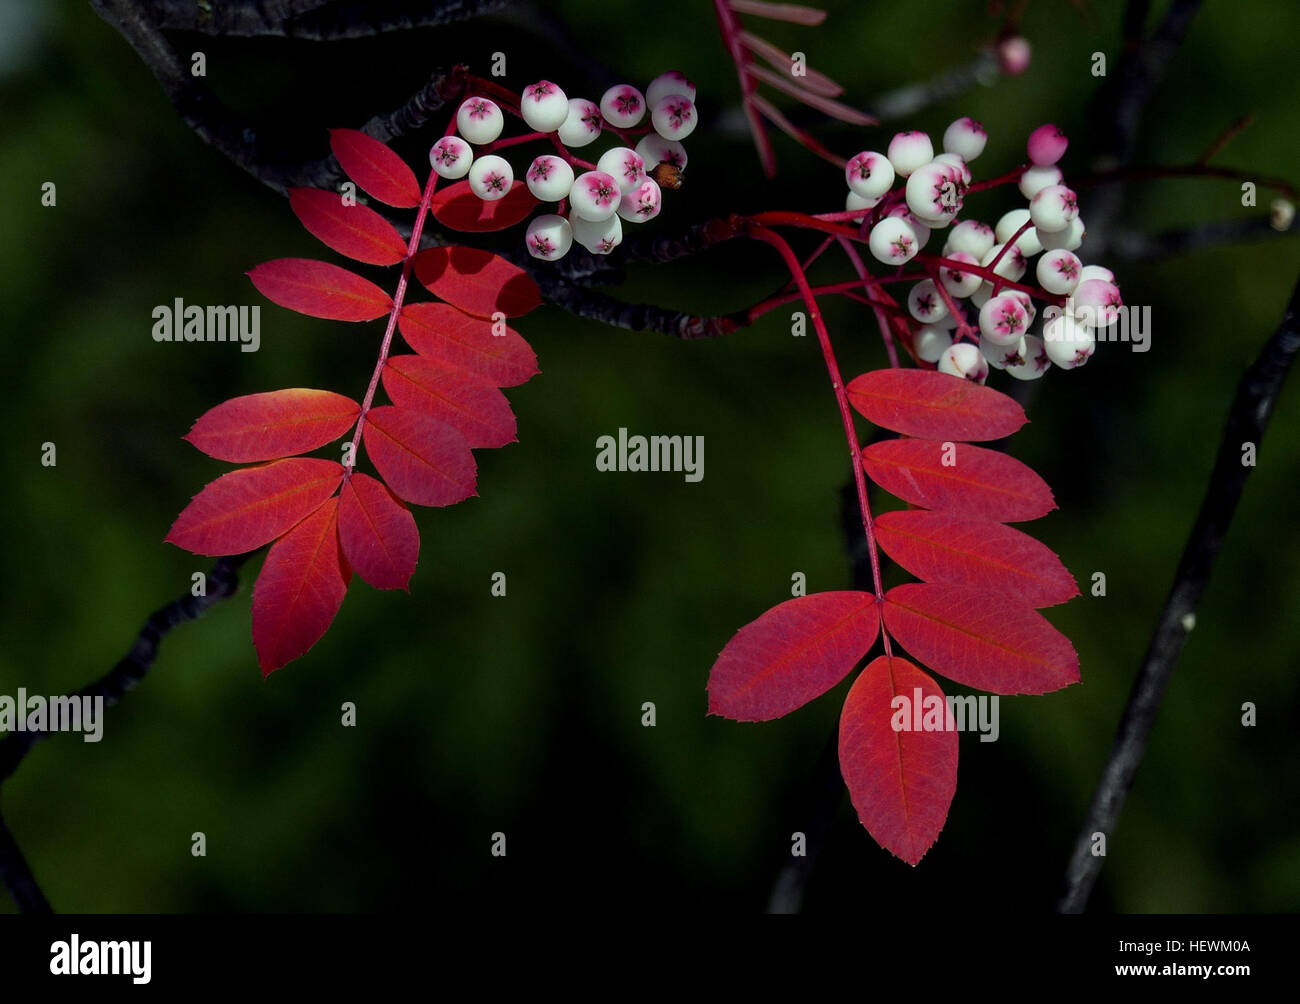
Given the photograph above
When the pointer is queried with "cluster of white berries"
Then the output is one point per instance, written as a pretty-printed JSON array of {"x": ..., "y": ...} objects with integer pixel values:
[
  {"x": 626, "y": 185},
  {"x": 931, "y": 198}
]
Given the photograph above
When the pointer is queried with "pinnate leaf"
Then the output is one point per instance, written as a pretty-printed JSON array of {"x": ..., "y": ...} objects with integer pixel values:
[
  {"x": 299, "y": 590},
  {"x": 280, "y": 423},
  {"x": 477, "y": 281},
  {"x": 945, "y": 547},
  {"x": 423, "y": 461},
  {"x": 480, "y": 412},
  {"x": 980, "y": 639},
  {"x": 901, "y": 782},
  {"x": 928, "y": 404},
  {"x": 795, "y": 652},
  {"x": 452, "y": 337},
  {"x": 319, "y": 289},
  {"x": 458, "y": 208},
  {"x": 378, "y": 533},
  {"x": 353, "y": 230},
  {"x": 976, "y": 481},
  {"x": 378, "y": 171},
  {"x": 247, "y": 508}
]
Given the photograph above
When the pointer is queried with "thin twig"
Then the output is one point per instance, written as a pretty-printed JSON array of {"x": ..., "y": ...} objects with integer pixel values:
[{"x": 1247, "y": 420}]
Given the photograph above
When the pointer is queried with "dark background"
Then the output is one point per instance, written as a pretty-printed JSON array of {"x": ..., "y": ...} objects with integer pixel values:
[{"x": 522, "y": 714}]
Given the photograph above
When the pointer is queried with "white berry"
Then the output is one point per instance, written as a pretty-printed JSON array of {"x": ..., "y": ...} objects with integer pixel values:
[
  {"x": 544, "y": 106},
  {"x": 1035, "y": 179},
  {"x": 622, "y": 106},
  {"x": 960, "y": 284},
  {"x": 642, "y": 203},
  {"x": 549, "y": 178},
  {"x": 1001, "y": 357},
  {"x": 549, "y": 237},
  {"x": 674, "y": 117},
  {"x": 908, "y": 151},
  {"x": 451, "y": 157},
  {"x": 491, "y": 177},
  {"x": 582, "y": 124},
  {"x": 1059, "y": 271},
  {"x": 925, "y": 304},
  {"x": 930, "y": 342},
  {"x": 598, "y": 236},
  {"x": 893, "y": 241},
  {"x": 1003, "y": 320},
  {"x": 971, "y": 236},
  {"x": 1053, "y": 208},
  {"x": 595, "y": 196},
  {"x": 625, "y": 164},
  {"x": 672, "y": 82},
  {"x": 654, "y": 149},
  {"x": 934, "y": 192},
  {"x": 1070, "y": 238},
  {"x": 479, "y": 120},
  {"x": 1007, "y": 227},
  {"x": 966, "y": 138},
  {"x": 1067, "y": 343},
  {"x": 869, "y": 174},
  {"x": 1035, "y": 362},
  {"x": 966, "y": 361}
]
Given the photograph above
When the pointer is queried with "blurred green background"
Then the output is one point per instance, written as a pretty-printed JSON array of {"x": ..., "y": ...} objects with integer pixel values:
[{"x": 522, "y": 715}]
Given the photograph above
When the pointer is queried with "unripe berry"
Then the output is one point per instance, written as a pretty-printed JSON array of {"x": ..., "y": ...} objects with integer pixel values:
[
  {"x": 1002, "y": 356},
  {"x": 930, "y": 342},
  {"x": 549, "y": 178},
  {"x": 925, "y": 304},
  {"x": 1013, "y": 55},
  {"x": 960, "y": 284},
  {"x": 622, "y": 106},
  {"x": 1027, "y": 302},
  {"x": 549, "y": 237},
  {"x": 855, "y": 201},
  {"x": 1068, "y": 239},
  {"x": 893, "y": 241},
  {"x": 582, "y": 124},
  {"x": 1036, "y": 362},
  {"x": 490, "y": 177},
  {"x": 451, "y": 157},
  {"x": 966, "y": 138},
  {"x": 672, "y": 82},
  {"x": 1053, "y": 208},
  {"x": 919, "y": 227},
  {"x": 1096, "y": 272},
  {"x": 598, "y": 236},
  {"x": 625, "y": 164},
  {"x": 1059, "y": 271},
  {"x": 869, "y": 174},
  {"x": 642, "y": 203},
  {"x": 1035, "y": 179},
  {"x": 956, "y": 161},
  {"x": 1003, "y": 320},
  {"x": 971, "y": 236},
  {"x": 1096, "y": 303},
  {"x": 1011, "y": 222},
  {"x": 674, "y": 117},
  {"x": 966, "y": 361},
  {"x": 910, "y": 150},
  {"x": 934, "y": 192},
  {"x": 479, "y": 120},
  {"x": 1046, "y": 145},
  {"x": 595, "y": 196},
  {"x": 1012, "y": 265},
  {"x": 544, "y": 106},
  {"x": 1067, "y": 343},
  {"x": 654, "y": 149}
]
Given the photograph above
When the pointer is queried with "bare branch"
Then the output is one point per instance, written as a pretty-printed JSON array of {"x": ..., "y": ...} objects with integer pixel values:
[
  {"x": 313, "y": 20},
  {"x": 1248, "y": 418}
]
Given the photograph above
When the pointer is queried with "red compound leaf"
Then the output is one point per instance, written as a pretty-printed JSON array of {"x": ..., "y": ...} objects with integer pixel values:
[
  {"x": 424, "y": 461},
  {"x": 950, "y": 475},
  {"x": 378, "y": 533},
  {"x": 378, "y": 171},
  {"x": 487, "y": 350},
  {"x": 901, "y": 779},
  {"x": 795, "y": 652},
  {"x": 349, "y": 228},
  {"x": 480, "y": 412},
  {"x": 944, "y": 547},
  {"x": 928, "y": 404},
  {"x": 458, "y": 208},
  {"x": 477, "y": 281},
  {"x": 980, "y": 639},
  {"x": 299, "y": 590},
  {"x": 319, "y": 289},
  {"x": 280, "y": 423},
  {"x": 247, "y": 508}
]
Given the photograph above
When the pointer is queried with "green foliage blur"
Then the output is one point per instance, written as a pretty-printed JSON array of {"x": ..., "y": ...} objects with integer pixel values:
[{"x": 523, "y": 714}]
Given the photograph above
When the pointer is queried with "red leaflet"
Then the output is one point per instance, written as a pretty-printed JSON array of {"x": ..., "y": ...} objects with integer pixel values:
[
  {"x": 354, "y": 230},
  {"x": 458, "y": 208},
  {"x": 376, "y": 169},
  {"x": 277, "y": 424},
  {"x": 944, "y": 547},
  {"x": 933, "y": 405},
  {"x": 480, "y": 412},
  {"x": 980, "y": 639},
  {"x": 970, "y": 479},
  {"x": 319, "y": 289},
  {"x": 796, "y": 651},
  {"x": 299, "y": 590},
  {"x": 377, "y": 532},
  {"x": 423, "y": 460},
  {"x": 477, "y": 281},
  {"x": 455, "y": 338},
  {"x": 245, "y": 509},
  {"x": 901, "y": 780}
]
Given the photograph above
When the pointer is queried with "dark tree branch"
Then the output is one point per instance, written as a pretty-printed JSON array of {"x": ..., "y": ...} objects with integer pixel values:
[
  {"x": 1132, "y": 245},
  {"x": 313, "y": 20},
  {"x": 222, "y": 581},
  {"x": 1247, "y": 420},
  {"x": 913, "y": 98}
]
